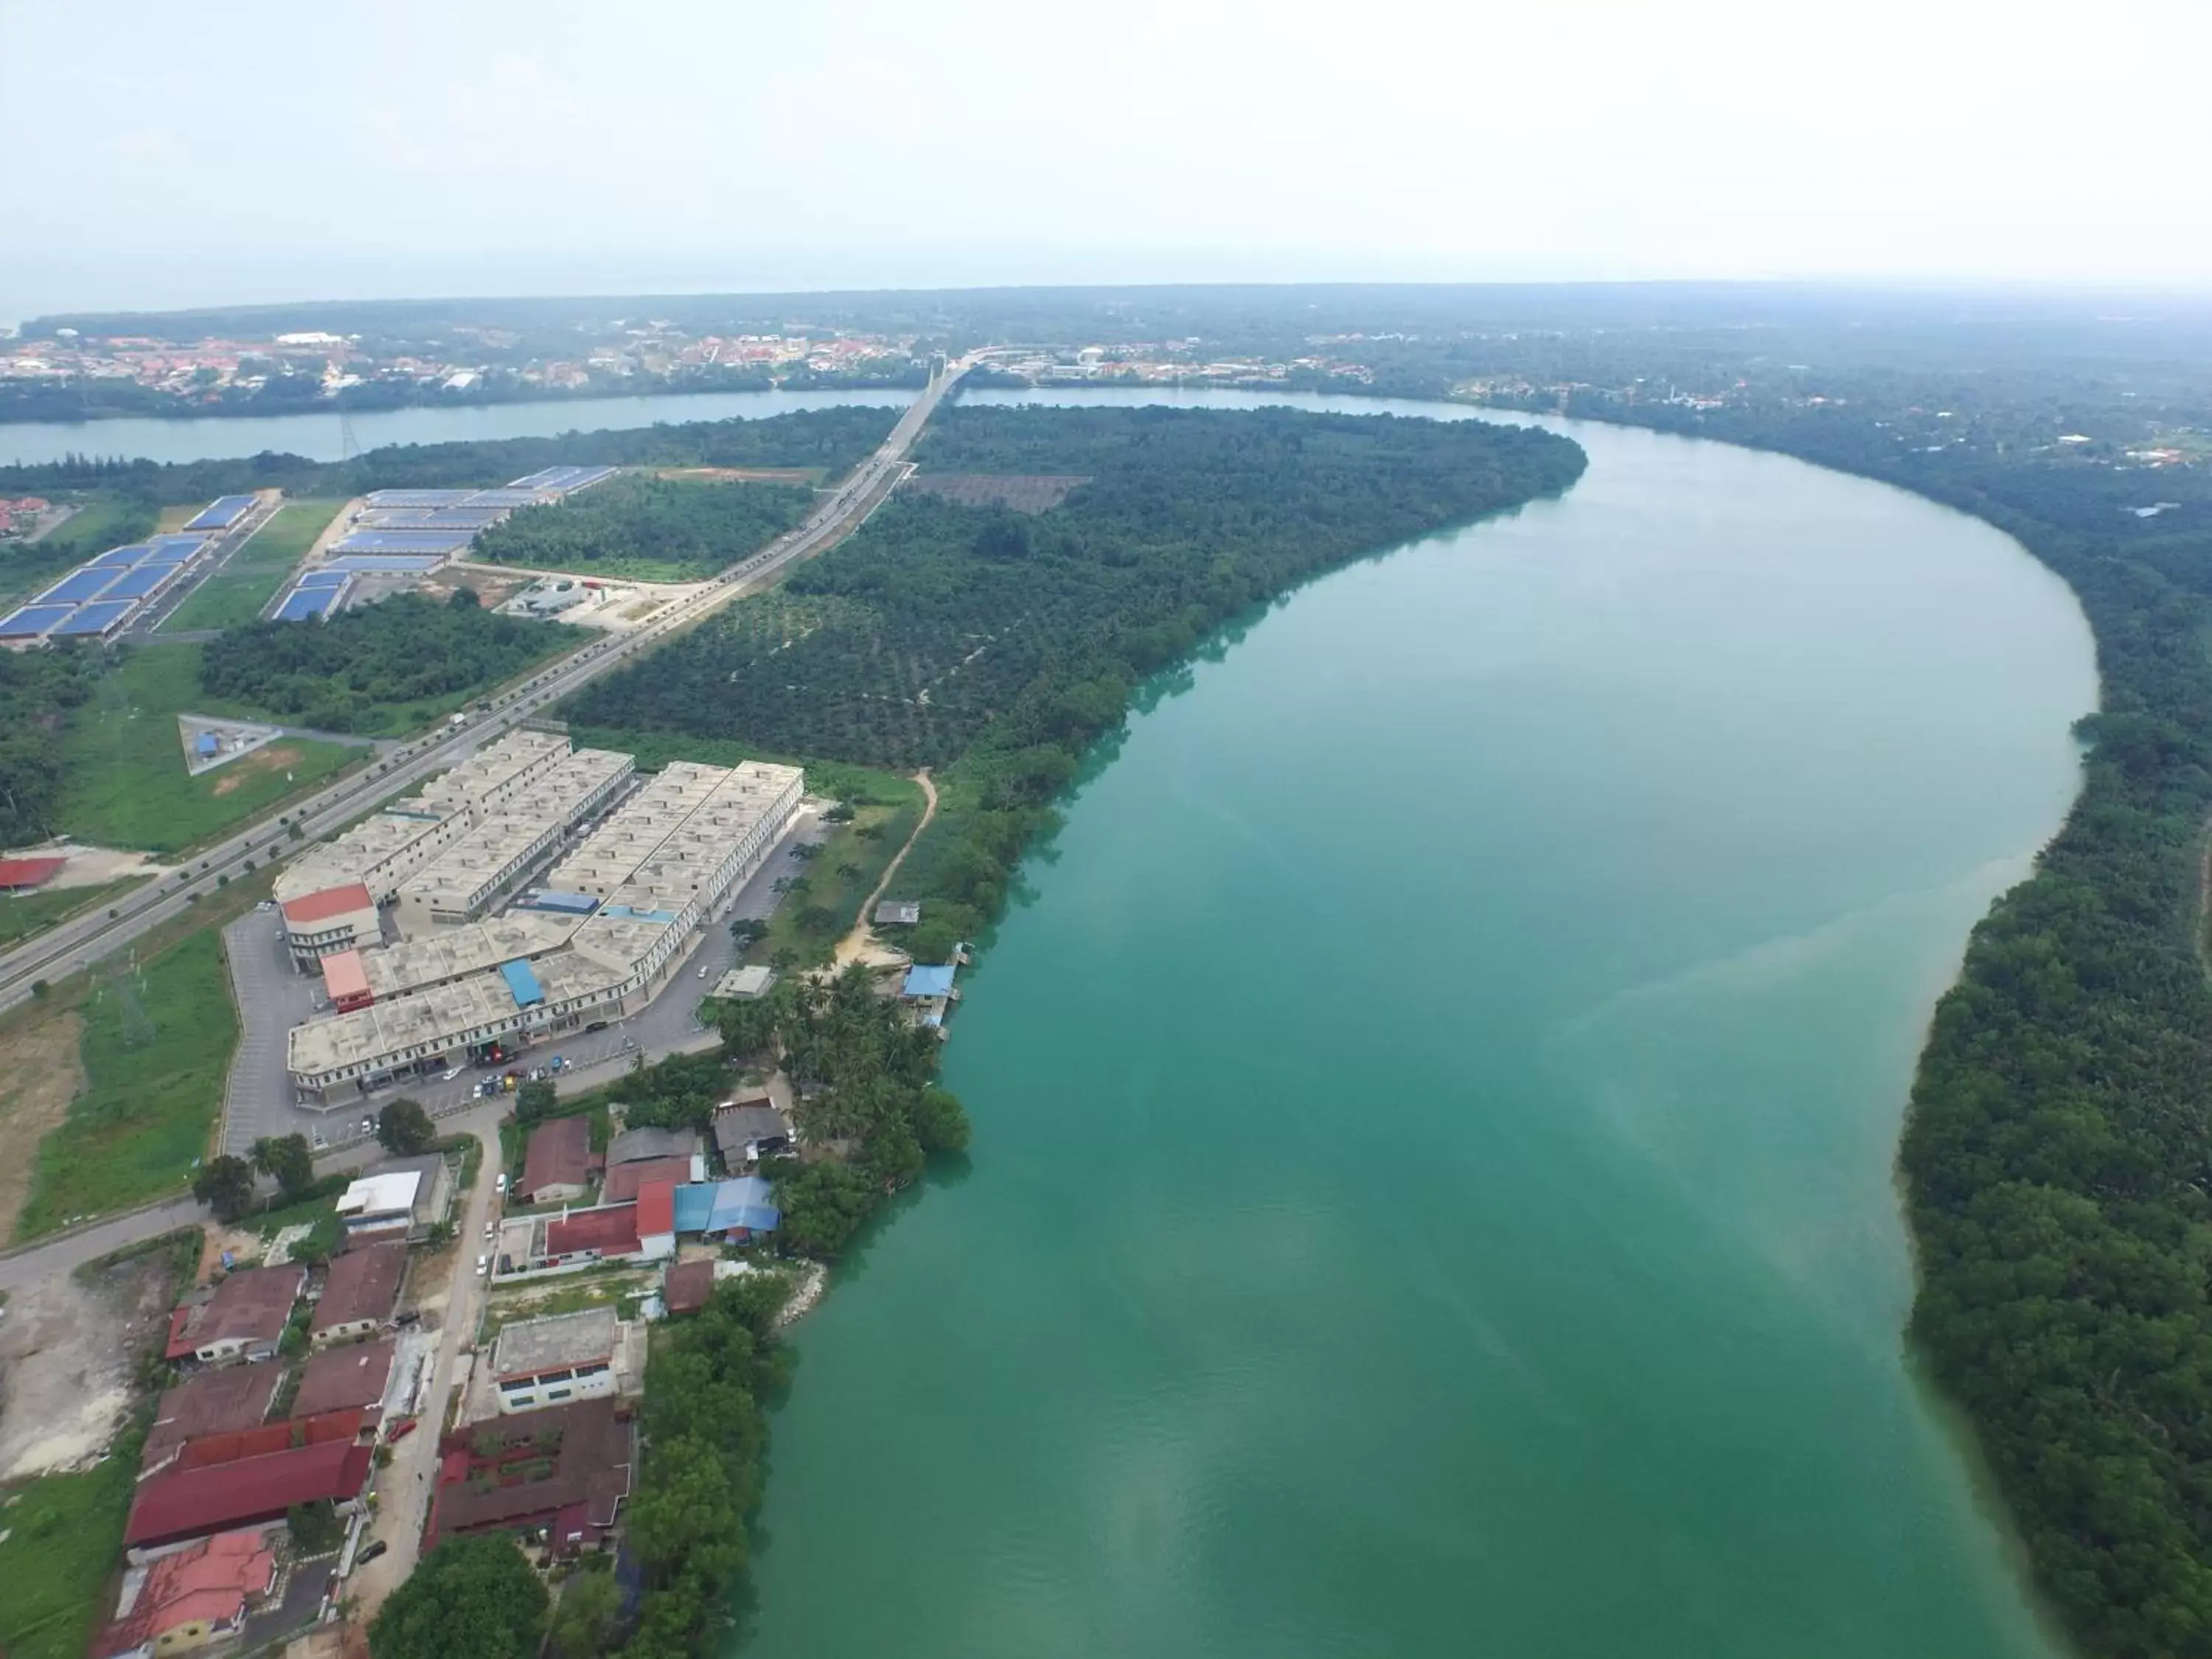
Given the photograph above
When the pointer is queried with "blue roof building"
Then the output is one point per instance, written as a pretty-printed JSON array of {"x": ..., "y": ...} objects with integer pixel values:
[
  {"x": 926, "y": 984},
  {"x": 523, "y": 982},
  {"x": 737, "y": 1208}
]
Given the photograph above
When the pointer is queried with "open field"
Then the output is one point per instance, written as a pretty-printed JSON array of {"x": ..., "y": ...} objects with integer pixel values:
[
  {"x": 127, "y": 785},
  {"x": 237, "y": 593},
  {"x": 42, "y": 1075},
  {"x": 155, "y": 1047},
  {"x": 26, "y": 568},
  {"x": 27, "y": 914},
  {"x": 64, "y": 1535}
]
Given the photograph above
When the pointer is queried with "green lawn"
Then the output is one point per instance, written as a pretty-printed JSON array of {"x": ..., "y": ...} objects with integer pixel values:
[
  {"x": 238, "y": 591},
  {"x": 155, "y": 1049},
  {"x": 64, "y": 1538},
  {"x": 127, "y": 785},
  {"x": 23, "y": 916}
]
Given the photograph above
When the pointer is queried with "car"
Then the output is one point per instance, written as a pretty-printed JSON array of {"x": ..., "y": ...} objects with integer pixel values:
[
  {"x": 368, "y": 1126},
  {"x": 491, "y": 1230},
  {"x": 372, "y": 1551},
  {"x": 484, "y": 1267},
  {"x": 703, "y": 970},
  {"x": 452, "y": 1072},
  {"x": 412, "y": 1316},
  {"x": 319, "y": 1143},
  {"x": 502, "y": 1187}
]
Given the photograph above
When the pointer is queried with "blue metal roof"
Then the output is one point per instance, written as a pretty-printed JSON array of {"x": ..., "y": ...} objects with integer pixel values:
[
  {"x": 176, "y": 546},
  {"x": 630, "y": 913},
  {"x": 96, "y": 618},
  {"x": 33, "y": 620},
  {"x": 928, "y": 981},
  {"x": 323, "y": 579},
  {"x": 308, "y": 604},
  {"x": 221, "y": 512},
  {"x": 125, "y": 556},
  {"x": 138, "y": 584},
  {"x": 404, "y": 541},
  {"x": 695, "y": 1205},
  {"x": 80, "y": 585},
  {"x": 205, "y": 742},
  {"x": 528, "y": 993},
  {"x": 417, "y": 497},
  {"x": 401, "y": 563}
]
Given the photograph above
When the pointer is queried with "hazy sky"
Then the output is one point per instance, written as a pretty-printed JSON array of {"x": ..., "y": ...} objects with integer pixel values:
[{"x": 161, "y": 154}]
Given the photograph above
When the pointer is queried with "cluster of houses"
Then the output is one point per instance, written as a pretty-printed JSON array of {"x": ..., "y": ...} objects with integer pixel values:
[{"x": 650, "y": 1185}]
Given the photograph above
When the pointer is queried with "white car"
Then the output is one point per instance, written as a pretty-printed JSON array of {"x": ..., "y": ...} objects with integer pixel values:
[
  {"x": 450, "y": 1074},
  {"x": 484, "y": 1267},
  {"x": 491, "y": 1232},
  {"x": 368, "y": 1126},
  {"x": 501, "y": 1188}
]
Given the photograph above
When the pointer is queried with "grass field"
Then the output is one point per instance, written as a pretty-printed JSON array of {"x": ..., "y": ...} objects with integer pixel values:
[
  {"x": 127, "y": 785},
  {"x": 155, "y": 1049},
  {"x": 21, "y": 917},
  {"x": 60, "y": 1538},
  {"x": 26, "y": 567},
  {"x": 238, "y": 591}
]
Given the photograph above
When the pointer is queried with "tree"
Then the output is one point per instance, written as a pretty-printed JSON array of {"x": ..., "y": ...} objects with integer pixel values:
[
  {"x": 287, "y": 1159},
  {"x": 471, "y": 1598},
  {"x": 404, "y": 1129},
  {"x": 584, "y": 1622},
  {"x": 748, "y": 1027},
  {"x": 225, "y": 1185},
  {"x": 939, "y": 1122},
  {"x": 534, "y": 1100},
  {"x": 315, "y": 1528}
]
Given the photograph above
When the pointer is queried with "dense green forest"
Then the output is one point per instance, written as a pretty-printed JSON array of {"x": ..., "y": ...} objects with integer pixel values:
[
  {"x": 831, "y": 440},
  {"x": 349, "y": 673},
  {"x": 37, "y": 691},
  {"x": 648, "y": 528}
]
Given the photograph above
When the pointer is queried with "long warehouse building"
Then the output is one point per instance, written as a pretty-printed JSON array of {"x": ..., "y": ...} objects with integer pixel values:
[{"x": 596, "y": 942}]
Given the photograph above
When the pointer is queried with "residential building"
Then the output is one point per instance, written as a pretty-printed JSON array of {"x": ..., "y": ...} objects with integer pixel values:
[
  {"x": 180, "y": 1503},
  {"x": 687, "y": 1286},
  {"x": 361, "y": 1293},
  {"x": 209, "y": 1402},
  {"x": 350, "y": 1378},
  {"x": 749, "y": 1129},
  {"x": 243, "y": 1320},
  {"x": 556, "y": 1165},
  {"x": 546, "y": 1362},
  {"x": 637, "y": 1145},
  {"x": 190, "y": 1598},
  {"x": 567, "y": 1470},
  {"x": 625, "y": 1181}
]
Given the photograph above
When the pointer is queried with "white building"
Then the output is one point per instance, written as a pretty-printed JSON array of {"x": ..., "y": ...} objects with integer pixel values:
[{"x": 551, "y": 1362}]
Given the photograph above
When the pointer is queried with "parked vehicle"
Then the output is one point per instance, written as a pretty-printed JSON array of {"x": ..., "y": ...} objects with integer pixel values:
[
  {"x": 484, "y": 1267},
  {"x": 451, "y": 1073},
  {"x": 368, "y": 1126},
  {"x": 502, "y": 1187},
  {"x": 374, "y": 1550}
]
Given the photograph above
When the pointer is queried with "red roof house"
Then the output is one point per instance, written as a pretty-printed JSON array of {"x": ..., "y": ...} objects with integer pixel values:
[
  {"x": 361, "y": 1293},
  {"x": 193, "y": 1595},
  {"x": 688, "y": 1287},
  {"x": 611, "y": 1230},
  {"x": 352, "y": 1376},
  {"x": 210, "y": 1403},
  {"x": 180, "y": 1503},
  {"x": 558, "y": 1162},
  {"x": 625, "y": 1181}
]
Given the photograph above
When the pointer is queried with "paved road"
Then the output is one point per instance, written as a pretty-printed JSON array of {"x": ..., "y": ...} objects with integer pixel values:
[
  {"x": 73, "y": 946},
  {"x": 403, "y": 1488},
  {"x": 143, "y": 624}
]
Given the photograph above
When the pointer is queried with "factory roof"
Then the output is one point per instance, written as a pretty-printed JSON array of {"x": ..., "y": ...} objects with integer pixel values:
[{"x": 529, "y": 1347}]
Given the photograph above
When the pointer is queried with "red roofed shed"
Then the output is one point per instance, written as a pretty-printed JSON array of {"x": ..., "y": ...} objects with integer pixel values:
[
  {"x": 180, "y": 1503},
  {"x": 610, "y": 1231},
  {"x": 21, "y": 875}
]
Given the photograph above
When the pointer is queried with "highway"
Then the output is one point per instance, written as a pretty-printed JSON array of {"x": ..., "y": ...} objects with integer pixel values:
[{"x": 75, "y": 946}]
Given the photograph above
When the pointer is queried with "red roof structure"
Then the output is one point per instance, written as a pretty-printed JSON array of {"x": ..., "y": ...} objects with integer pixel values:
[
  {"x": 352, "y": 1376},
  {"x": 624, "y": 1181},
  {"x": 610, "y": 1231},
  {"x": 656, "y": 1208},
  {"x": 18, "y": 873},
  {"x": 209, "y": 1583},
  {"x": 252, "y": 1306},
  {"x": 209, "y": 1449},
  {"x": 180, "y": 1503},
  {"x": 210, "y": 1403},
  {"x": 494, "y": 1476},
  {"x": 330, "y": 902},
  {"x": 346, "y": 981},
  {"x": 363, "y": 1285},
  {"x": 688, "y": 1287},
  {"x": 560, "y": 1155}
]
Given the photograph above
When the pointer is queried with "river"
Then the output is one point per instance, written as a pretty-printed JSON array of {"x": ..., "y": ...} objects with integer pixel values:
[
  {"x": 1434, "y": 1119},
  {"x": 318, "y": 437}
]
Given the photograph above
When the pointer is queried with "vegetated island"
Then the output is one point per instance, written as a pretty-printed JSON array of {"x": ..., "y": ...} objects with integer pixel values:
[{"x": 999, "y": 647}]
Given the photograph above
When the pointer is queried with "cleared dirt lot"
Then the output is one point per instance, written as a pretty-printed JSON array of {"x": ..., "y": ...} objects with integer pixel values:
[
  {"x": 40, "y": 1075},
  {"x": 70, "y": 1354}
]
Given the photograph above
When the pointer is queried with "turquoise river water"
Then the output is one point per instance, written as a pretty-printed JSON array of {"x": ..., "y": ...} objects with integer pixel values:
[{"x": 1434, "y": 1119}]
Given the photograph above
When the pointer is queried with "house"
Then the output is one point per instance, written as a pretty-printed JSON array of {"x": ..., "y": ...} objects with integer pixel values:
[
  {"x": 434, "y": 1195},
  {"x": 245, "y": 1318},
  {"x": 640, "y": 1145},
  {"x": 625, "y": 1180},
  {"x": 319, "y": 924},
  {"x": 180, "y": 1503},
  {"x": 361, "y": 1293},
  {"x": 264, "y": 1440},
  {"x": 379, "y": 1208},
  {"x": 656, "y": 1220},
  {"x": 566, "y": 1469},
  {"x": 610, "y": 1231},
  {"x": 548, "y": 1362},
  {"x": 558, "y": 1165},
  {"x": 687, "y": 1286},
  {"x": 209, "y": 1402},
  {"x": 898, "y": 913},
  {"x": 737, "y": 1210},
  {"x": 190, "y": 1597},
  {"x": 350, "y": 1378},
  {"x": 745, "y": 1134}
]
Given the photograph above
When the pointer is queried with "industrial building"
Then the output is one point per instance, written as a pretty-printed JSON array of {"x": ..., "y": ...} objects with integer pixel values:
[
  {"x": 594, "y": 943},
  {"x": 543, "y": 1362},
  {"x": 483, "y": 865},
  {"x": 103, "y": 595}
]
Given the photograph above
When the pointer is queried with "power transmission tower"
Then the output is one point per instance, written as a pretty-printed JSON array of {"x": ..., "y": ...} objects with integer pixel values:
[{"x": 348, "y": 445}]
